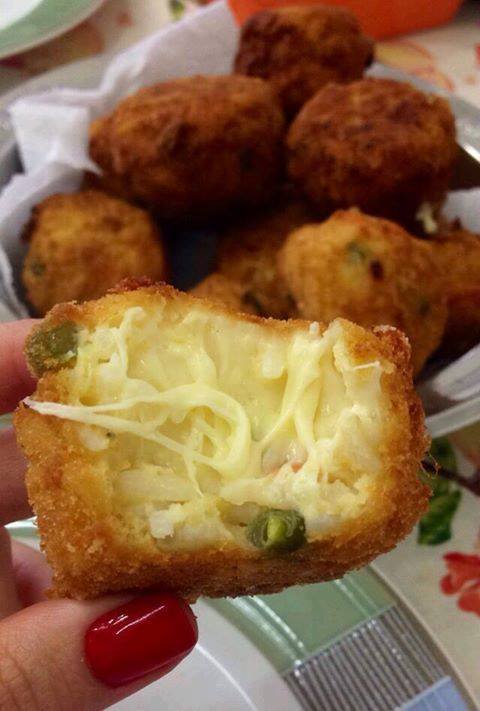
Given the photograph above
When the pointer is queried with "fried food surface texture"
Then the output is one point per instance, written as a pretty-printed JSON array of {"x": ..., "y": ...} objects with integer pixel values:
[
  {"x": 222, "y": 290},
  {"x": 194, "y": 147},
  {"x": 300, "y": 49},
  {"x": 368, "y": 270},
  {"x": 376, "y": 144},
  {"x": 175, "y": 443},
  {"x": 458, "y": 253},
  {"x": 82, "y": 244},
  {"x": 248, "y": 252}
]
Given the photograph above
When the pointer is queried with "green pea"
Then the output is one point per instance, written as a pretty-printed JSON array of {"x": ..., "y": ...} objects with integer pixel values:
[
  {"x": 37, "y": 268},
  {"x": 277, "y": 530},
  {"x": 54, "y": 348},
  {"x": 357, "y": 253}
]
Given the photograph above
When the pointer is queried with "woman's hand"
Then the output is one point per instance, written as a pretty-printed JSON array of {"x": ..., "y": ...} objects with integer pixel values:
[{"x": 66, "y": 654}]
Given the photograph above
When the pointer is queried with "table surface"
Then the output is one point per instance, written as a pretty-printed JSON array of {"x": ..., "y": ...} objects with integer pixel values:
[{"x": 448, "y": 56}]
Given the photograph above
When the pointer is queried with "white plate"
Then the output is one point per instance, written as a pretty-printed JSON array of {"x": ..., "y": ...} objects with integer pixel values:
[
  {"x": 25, "y": 24},
  {"x": 225, "y": 672},
  {"x": 11, "y": 12}
]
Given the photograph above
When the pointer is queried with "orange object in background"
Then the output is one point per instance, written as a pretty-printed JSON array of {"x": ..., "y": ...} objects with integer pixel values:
[{"x": 378, "y": 18}]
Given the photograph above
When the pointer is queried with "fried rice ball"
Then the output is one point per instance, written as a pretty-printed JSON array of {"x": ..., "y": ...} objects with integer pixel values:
[
  {"x": 248, "y": 255},
  {"x": 300, "y": 49},
  {"x": 370, "y": 271},
  {"x": 458, "y": 254},
  {"x": 193, "y": 147},
  {"x": 222, "y": 290},
  {"x": 376, "y": 144},
  {"x": 82, "y": 244},
  {"x": 234, "y": 455}
]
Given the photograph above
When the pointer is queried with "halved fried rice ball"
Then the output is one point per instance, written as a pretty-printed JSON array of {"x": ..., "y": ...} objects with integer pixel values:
[{"x": 175, "y": 443}]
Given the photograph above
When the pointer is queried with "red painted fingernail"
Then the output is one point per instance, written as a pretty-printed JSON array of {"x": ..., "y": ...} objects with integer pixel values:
[{"x": 150, "y": 633}]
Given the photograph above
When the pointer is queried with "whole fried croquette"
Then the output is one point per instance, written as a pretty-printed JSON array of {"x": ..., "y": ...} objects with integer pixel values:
[
  {"x": 83, "y": 243},
  {"x": 368, "y": 270},
  {"x": 300, "y": 49},
  {"x": 376, "y": 144},
  {"x": 248, "y": 251},
  {"x": 222, "y": 290},
  {"x": 193, "y": 147},
  {"x": 458, "y": 254},
  {"x": 175, "y": 443}
]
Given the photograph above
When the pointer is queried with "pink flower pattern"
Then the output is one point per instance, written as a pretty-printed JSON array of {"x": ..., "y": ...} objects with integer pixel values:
[{"x": 463, "y": 578}]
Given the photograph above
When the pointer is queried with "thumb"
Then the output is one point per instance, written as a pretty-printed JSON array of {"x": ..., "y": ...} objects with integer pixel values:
[{"x": 66, "y": 654}]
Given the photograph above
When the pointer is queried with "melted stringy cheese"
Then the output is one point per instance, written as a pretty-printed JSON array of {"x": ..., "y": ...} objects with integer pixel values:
[{"x": 204, "y": 420}]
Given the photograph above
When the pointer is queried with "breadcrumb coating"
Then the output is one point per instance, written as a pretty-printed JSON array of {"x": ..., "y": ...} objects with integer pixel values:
[
  {"x": 458, "y": 254},
  {"x": 248, "y": 251},
  {"x": 370, "y": 271},
  {"x": 220, "y": 289},
  {"x": 82, "y": 244},
  {"x": 376, "y": 144},
  {"x": 193, "y": 147}
]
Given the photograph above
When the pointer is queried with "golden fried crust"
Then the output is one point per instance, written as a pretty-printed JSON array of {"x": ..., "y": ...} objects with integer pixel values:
[
  {"x": 300, "y": 49},
  {"x": 220, "y": 289},
  {"x": 193, "y": 147},
  {"x": 368, "y": 270},
  {"x": 248, "y": 254},
  {"x": 82, "y": 244},
  {"x": 107, "y": 181},
  {"x": 89, "y": 549},
  {"x": 377, "y": 144},
  {"x": 458, "y": 254}
]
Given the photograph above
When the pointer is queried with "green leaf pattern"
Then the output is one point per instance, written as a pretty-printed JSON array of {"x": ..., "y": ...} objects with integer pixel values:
[{"x": 436, "y": 525}]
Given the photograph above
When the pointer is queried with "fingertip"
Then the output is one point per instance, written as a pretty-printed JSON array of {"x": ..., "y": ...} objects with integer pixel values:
[
  {"x": 16, "y": 381},
  {"x": 59, "y": 648},
  {"x": 33, "y": 577},
  {"x": 13, "y": 495},
  {"x": 150, "y": 634}
]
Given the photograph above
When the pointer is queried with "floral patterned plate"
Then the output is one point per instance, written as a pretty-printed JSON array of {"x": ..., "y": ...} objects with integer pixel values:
[{"x": 437, "y": 569}]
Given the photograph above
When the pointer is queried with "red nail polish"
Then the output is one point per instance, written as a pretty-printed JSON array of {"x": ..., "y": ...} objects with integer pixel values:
[{"x": 150, "y": 633}]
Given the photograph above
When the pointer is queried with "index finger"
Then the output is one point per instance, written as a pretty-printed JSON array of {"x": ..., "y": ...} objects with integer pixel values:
[{"x": 16, "y": 382}]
